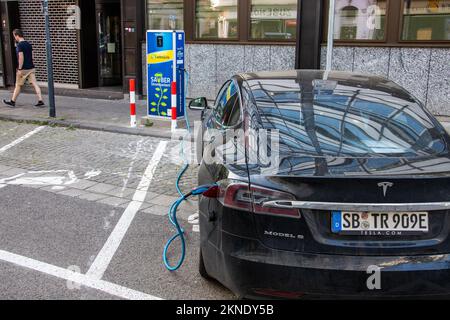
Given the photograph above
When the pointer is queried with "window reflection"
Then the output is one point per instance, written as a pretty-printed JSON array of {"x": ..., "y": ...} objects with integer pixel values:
[
  {"x": 216, "y": 19},
  {"x": 360, "y": 19},
  {"x": 273, "y": 20},
  {"x": 426, "y": 20},
  {"x": 348, "y": 122},
  {"x": 165, "y": 15}
]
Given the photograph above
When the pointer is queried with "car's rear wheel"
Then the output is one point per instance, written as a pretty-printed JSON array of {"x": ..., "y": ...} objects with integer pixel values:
[{"x": 201, "y": 267}]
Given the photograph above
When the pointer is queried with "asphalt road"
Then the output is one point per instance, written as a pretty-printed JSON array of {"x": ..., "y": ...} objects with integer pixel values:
[{"x": 74, "y": 226}]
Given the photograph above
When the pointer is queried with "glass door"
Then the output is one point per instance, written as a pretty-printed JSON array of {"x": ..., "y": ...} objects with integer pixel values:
[{"x": 109, "y": 44}]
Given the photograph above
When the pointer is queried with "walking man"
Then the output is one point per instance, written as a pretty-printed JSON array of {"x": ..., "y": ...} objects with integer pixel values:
[{"x": 25, "y": 70}]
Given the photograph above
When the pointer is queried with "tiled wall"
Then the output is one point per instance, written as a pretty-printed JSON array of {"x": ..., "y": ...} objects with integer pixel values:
[
  {"x": 64, "y": 41},
  {"x": 210, "y": 65},
  {"x": 425, "y": 72}
]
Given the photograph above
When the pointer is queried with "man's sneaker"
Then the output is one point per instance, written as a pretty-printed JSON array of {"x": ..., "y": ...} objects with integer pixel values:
[
  {"x": 11, "y": 104},
  {"x": 40, "y": 104}
]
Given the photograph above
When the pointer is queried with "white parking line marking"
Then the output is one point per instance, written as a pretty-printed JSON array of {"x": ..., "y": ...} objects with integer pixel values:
[
  {"x": 44, "y": 178},
  {"x": 74, "y": 277},
  {"x": 16, "y": 142},
  {"x": 105, "y": 256}
]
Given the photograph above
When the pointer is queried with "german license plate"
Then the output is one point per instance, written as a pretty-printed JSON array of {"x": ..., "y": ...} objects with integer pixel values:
[{"x": 379, "y": 224}]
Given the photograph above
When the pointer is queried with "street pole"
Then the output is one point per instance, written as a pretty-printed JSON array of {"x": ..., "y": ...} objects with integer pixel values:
[
  {"x": 330, "y": 41},
  {"x": 48, "y": 42}
]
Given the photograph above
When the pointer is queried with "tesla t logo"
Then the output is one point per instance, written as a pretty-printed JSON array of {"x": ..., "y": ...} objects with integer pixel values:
[{"x": 385, "y": 186}]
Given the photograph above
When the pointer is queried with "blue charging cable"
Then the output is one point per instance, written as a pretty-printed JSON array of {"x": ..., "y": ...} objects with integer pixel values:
[
  {"x": 180, "y": 231},
  {"x": 173, "y": 209}
]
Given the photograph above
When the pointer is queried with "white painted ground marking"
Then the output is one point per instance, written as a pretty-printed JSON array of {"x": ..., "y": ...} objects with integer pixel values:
[
  {"x": 105, "y": 256},
  {"x": 131, "y": 167},
  {"x": 194, "y": 220},
  {"x": 43, "y": 178},
  {"x": 16, "y": 142},
  {"x": 74, "y": 277},
  {"x": 92, "y": 174}
]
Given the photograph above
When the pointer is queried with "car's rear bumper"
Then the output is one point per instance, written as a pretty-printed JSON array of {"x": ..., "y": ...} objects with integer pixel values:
[{"x": 253, "y": 270}]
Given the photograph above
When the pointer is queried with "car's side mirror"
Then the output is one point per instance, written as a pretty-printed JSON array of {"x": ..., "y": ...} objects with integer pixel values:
[{"x": 198, "y": 104}]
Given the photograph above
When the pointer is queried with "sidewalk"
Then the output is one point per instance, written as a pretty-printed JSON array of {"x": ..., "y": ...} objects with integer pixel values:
[
  {"x": 85, "y": 113},
  {"x": 97, "y": 114}
]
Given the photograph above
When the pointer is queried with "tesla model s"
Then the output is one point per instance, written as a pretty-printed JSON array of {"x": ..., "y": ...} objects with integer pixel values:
[{"x": 326, "y": 184}]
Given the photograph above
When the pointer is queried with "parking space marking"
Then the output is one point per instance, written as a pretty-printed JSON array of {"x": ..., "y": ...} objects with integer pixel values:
[
  {"x": 74, "y": 277},
  {"x": 16, "y": 142},
  {"x": 106, "y": 254}
]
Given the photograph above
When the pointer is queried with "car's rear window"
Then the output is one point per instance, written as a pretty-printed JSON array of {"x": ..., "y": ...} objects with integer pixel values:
[{"x": 334, "y": 119}]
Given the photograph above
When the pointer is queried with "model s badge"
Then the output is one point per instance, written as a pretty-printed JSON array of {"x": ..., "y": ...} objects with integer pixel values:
[{"x": 385, "y": 186}]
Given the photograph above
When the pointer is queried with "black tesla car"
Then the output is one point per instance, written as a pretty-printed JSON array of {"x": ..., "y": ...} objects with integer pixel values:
[{"x": 328, "y": 185}]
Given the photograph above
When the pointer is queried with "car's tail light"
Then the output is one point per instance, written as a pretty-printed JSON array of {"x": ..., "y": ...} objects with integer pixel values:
[{"x": 238, "y": 195}]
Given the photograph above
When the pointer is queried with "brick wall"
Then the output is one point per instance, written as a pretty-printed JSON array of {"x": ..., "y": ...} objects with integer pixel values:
[{"x": 64, "y": 41}]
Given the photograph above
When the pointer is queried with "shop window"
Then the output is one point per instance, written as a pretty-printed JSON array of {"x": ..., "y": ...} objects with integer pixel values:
[
  {"x": 426, "y": 20},
  {"x": 216, "y": 19},
  {"x": 165, "y": 15},
  {"x": 273, "y": 19},
  {"x": 360, "y": 20}
]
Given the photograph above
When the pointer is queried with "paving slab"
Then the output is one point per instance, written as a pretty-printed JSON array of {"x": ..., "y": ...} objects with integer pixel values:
[
  {"x": 101, "y": 188},
  {"x": 72, "y": 192},
  {"x": 113, "y": 201},
  {"x": 14, "y": 172},
  {"x": 83, "y": 184},
  {"x": 92, "y": 196},
  {"x": 126, "y": 193},
  {"x": 157, "y": 210},
  {"x": 4, "y": 168}
]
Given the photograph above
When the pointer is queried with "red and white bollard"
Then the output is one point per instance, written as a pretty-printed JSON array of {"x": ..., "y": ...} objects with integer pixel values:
[
  {"x": 133, "y": 119},
  {"x": 174, "y": 106},
  {"x": 174, "y": 83}
]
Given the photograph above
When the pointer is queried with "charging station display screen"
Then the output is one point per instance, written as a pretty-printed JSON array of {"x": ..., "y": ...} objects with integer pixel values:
[
  {"x": 162, "y": 58},
  {"x": 159, "y": 41}
]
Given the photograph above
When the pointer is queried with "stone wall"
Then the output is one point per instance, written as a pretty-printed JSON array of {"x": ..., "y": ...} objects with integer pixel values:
[
  {"x": 425, "y": 72},
  {"x": 210, "y": 65}
]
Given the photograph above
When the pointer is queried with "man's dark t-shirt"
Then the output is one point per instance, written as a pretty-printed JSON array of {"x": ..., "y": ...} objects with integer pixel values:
[{"x": 26, "y": 48}]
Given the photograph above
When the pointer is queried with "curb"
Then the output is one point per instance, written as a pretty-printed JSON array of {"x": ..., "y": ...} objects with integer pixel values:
[{"x": 87, "y": 126}]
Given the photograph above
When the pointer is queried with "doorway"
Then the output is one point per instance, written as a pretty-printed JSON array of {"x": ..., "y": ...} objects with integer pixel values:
[
  {"x": 109, "y": 43},
  {"x": 101, "y": 50}
]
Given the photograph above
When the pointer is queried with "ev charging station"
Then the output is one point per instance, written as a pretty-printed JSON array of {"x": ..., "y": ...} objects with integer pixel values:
[{"x": 166, "y": 75}]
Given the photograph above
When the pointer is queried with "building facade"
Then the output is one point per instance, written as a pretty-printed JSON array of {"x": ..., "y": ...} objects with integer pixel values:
[
  {"x": 96, "y": 43},
  {"x": 101, "y": 43},
  {"x": 407, "y": 41}
]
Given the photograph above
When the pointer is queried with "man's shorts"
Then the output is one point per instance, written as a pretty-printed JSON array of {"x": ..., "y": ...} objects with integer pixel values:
[{"x": 24, "y": 75}]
